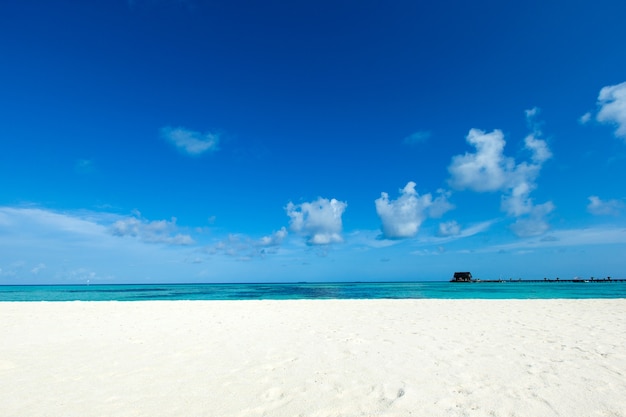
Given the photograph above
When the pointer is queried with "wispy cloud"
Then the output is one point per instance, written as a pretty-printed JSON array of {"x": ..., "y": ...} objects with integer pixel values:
[
  {"x": 320, "y": 220},
  {"x": 191, "y": 142},
  {"x": 76, "y": 246},
  {"x": 369, "y": 239},
  {"x": 603, "y": 235},
  {"x": 245, "y": 248},
  {"x": 534, "y": 224},
  {"x": 489, "y": 170},
  {"x": 585, "y": 118},
  {"x": 84, "y": 166},
  {"x": 28, "y": 220},
  {"x": 451, "y": 228},
  {"x": 275, "y": 239},
  {"x": 402, "y": 218},
  {"x": 40, "y": 245},
  {"x": 416, "y": 138},
  {"x": 612, "y": 107},
  {"x": 452, "y": 231},
  {"x": 600, "y": 207},
  {"x": 157, "y": 231},
  {"x": 476, "y": 228}
]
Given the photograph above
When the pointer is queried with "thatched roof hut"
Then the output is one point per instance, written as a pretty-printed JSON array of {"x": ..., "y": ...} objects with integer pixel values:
[{"x": 462, "y": 277}]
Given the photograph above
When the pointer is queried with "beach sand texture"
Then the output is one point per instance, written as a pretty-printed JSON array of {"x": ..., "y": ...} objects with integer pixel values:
[{"x": 314, "y": 358}]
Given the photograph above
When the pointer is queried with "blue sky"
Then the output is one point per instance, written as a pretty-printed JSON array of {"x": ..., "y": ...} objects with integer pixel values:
[{"x": 239, "y": 141}]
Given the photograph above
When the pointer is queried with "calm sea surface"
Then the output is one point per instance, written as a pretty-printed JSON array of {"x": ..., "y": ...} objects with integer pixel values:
[{"x": 499, "y": 290}]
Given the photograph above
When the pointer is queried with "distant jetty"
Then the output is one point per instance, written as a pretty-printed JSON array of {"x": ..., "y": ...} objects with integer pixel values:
[{"x": 467, "y": 277}]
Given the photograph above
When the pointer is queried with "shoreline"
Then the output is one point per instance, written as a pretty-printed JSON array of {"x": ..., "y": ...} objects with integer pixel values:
[{"x": 438, "y": 357}]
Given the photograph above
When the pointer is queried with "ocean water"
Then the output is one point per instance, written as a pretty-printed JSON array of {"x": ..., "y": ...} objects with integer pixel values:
[{"x": 292, "y": 291}]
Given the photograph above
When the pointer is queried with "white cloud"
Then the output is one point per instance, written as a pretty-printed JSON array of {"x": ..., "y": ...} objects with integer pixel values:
[
  {"x": 244, "y": 248},
  {"x": 612, "y": 103},
  {"x": 82, "y": 275},
  {"x": 38, "y": 268},
  {"x": 440, "y": 205},
  {"x": 534, "y": 224},
  {"x": 450, "y": 228},
  {"x": 274, "y": 239},
  {"x": 585, "y": 118},
  {"x": 234, "y": 245},
  {"x": 530, "y": 113},
  {"x": 516, "y": 200},
  {"x": 157, "y": 231},
  {"x": 319, "y": 221},
  {"x": 191, "y": 142},
  {"x": 488, "y": 169},
  {"x": 417, "y": 137},
  {"x": 402, "y": 218},
  {"x": 485, "y": 170},
  {"x": 599, "y": 207},
  {"x": 540, "y": 152}
]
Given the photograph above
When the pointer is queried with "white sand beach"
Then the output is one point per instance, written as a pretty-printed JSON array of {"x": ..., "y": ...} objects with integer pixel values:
[{"x": 314, "y": 358}]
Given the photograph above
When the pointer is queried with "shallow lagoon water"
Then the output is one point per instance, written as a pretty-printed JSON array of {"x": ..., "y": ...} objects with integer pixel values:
[{"x": 294, "y": 291}]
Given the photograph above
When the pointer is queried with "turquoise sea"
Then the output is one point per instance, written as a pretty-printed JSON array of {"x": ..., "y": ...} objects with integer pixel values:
[{"x": 293, "y": 291}]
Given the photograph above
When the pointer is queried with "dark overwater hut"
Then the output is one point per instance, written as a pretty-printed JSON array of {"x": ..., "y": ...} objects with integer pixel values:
[{"x": 462, "y": 277}]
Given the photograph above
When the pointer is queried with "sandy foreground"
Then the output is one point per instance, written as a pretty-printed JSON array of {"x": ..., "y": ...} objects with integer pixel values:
[{"x": 314, "y": 358}]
